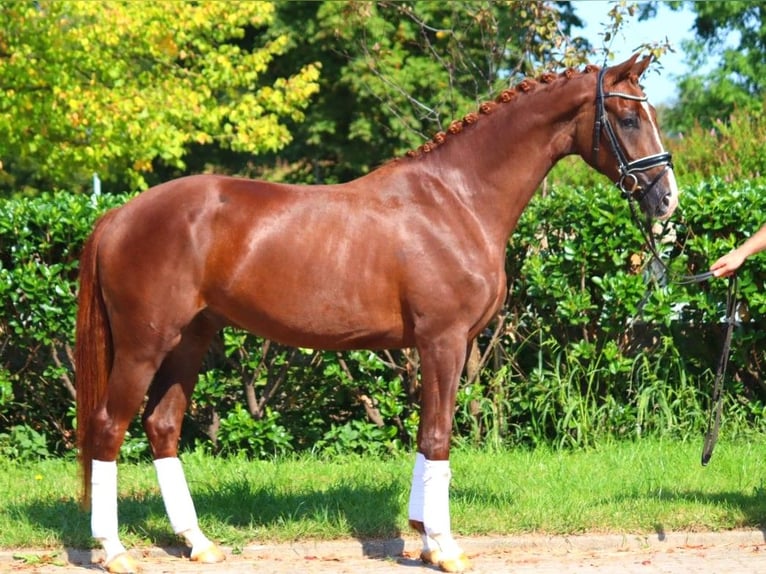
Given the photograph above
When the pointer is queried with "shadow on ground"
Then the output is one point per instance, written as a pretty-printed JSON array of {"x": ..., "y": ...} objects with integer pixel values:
[{"x": 244, "y": 509}]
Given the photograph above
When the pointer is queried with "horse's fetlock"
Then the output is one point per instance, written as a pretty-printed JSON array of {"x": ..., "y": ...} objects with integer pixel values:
[{"x": 418, "y": 526}]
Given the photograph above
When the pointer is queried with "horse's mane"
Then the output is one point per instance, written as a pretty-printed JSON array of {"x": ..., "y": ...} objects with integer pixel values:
[{"x": 526, "y": 86}]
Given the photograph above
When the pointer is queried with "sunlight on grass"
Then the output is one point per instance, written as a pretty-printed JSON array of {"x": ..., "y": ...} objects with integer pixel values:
[{"x": 642, "y": 487}]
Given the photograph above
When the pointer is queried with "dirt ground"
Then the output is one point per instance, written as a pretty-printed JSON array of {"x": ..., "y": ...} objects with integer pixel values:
[{"x": 724, "y": 553}]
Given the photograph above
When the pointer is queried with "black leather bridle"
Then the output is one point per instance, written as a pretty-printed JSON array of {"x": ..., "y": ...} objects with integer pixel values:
[{"x": 628, "y": 182}]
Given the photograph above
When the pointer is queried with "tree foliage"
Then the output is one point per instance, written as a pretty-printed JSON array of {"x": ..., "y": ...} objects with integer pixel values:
[
  {"x": 143, "y": 92},
  {"x": 394, "y": 74},
  {"x": 119, "y": 87},
  {"x": 733, "y": 32}
]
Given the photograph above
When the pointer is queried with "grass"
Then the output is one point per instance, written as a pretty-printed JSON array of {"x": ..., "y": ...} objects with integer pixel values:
[{"x": 629, "y": 487}]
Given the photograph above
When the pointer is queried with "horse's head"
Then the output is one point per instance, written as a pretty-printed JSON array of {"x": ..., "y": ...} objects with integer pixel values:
[{"x": 624, "y": 140}]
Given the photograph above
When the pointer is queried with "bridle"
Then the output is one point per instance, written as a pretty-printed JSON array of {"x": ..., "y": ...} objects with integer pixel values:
[{"x": 628, "y": 182}]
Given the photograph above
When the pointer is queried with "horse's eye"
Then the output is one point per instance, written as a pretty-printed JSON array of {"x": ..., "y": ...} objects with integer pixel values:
[{"x": 629, "y": 122}]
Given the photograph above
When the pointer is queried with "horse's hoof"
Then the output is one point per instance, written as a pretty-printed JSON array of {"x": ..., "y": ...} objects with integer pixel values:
[
  {"x": 459, "y": 564},
  {"x": 210, "y": 555},
  {"x": 430, "y": 556},
  {"x": 122, "y": 564}
]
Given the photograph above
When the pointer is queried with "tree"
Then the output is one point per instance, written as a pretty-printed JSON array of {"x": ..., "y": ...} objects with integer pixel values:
[
  {"x": 394, "y": 74},
  {"x": 121, "y": 88},
  {"x": 733, "y": 32}
]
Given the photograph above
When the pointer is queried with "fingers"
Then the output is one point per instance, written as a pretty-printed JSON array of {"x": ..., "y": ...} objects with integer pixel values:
[
  {"x": 726, "y": 265},
  {"x": 722, "y": 272}
]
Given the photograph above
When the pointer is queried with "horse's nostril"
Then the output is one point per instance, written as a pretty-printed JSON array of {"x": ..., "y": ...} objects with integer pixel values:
[{"x": 666, "y": 200}]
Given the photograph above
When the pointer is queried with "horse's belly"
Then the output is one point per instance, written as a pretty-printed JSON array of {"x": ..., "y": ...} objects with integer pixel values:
[{"x": 315, "y": 319}]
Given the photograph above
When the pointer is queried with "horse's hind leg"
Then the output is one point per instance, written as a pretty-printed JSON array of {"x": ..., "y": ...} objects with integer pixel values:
[
  {"x": 169, "y": 397},
  {"x": 141, "y": 351},
  {"x": 128, "y": 381}
]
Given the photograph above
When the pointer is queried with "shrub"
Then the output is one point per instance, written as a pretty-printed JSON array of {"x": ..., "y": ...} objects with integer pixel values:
[
  {"x": 40, "y": 241},
  {"x": 592, "y": 343},
  {"x": 731, "y": 151},
  {"x": 597, "y": 343}
]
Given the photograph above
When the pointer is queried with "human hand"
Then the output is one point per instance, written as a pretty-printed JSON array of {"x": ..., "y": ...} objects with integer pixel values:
[{"x": 728, "y": 264}]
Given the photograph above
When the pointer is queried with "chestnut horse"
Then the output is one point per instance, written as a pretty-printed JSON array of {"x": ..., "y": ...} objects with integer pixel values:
[{"x": 409, "y": 255}]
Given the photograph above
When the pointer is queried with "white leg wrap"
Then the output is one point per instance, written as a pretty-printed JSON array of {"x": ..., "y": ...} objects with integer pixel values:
[
  {"x": 416, "y": 493},
  {"x": 175, "y": 494},
  {"x": 103, "y": 517},
  {"x": 178, "y": 502},
  {"x": 436, "y": 479},
  {"x": 429, "y": 504}
]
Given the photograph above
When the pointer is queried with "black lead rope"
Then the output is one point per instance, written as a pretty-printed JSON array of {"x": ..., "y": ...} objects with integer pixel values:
[
  {"x": 716, "y": 404},
  {"x": 714, "y": 420}
]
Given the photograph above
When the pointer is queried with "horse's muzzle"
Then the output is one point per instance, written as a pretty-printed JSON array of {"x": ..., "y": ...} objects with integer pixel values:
[
  {"x": 668, "y": 200},
  {"x": 659, "y": 196}
]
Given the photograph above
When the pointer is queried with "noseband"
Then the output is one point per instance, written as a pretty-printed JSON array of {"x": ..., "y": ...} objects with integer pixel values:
[{"x": 628, "y": 182}]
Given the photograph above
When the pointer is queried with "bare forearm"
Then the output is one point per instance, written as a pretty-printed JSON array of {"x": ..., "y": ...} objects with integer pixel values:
[
  {"x": 732, "y": 261},
  {"x": 755, "y": 244}
]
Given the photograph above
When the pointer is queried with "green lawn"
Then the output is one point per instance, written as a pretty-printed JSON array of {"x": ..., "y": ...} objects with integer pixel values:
[{"x": 642, "y": 487}]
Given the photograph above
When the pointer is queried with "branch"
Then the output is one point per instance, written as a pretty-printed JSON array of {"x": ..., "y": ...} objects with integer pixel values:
[
  {"x": 498, "y": 332},
  {"x": 273, "y": 384},
  {"x": 430, "y": 114},
  {"x": 64, "y": 377},
  {"x": 250, "y": 398},
  {"x": 369, "y": 406}
]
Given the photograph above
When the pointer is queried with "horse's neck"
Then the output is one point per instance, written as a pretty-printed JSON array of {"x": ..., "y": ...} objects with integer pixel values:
[{"x": 503, "y": 158}]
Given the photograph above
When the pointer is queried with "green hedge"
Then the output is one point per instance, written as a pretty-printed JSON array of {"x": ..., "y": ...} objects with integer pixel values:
[
  {"x": 605, "y": 347},
  {"x": 588, "y": 347},
  {"x": 40, "y": 241}
]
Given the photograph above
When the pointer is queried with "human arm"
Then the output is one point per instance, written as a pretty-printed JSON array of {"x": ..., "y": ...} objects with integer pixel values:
[{"x": 732, "y": 261}]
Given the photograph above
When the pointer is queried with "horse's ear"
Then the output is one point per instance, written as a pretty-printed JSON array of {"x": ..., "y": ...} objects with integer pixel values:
[
  {"x": 630, "y": 68},
  {"x": 640, "y": 67}
]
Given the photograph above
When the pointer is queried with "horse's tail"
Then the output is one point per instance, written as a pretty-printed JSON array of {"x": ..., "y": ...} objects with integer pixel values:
[{"x": 93, "y": 352}]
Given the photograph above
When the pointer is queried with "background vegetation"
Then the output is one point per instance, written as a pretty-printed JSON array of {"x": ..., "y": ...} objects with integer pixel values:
[
  {"x": 594, "y": 343},
  {"x": 639, "y": 489},
  {"x": 590, "y": 344}
]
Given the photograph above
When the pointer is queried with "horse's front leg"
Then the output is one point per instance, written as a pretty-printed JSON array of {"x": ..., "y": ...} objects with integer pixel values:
[{"x": 442, "y": 362}]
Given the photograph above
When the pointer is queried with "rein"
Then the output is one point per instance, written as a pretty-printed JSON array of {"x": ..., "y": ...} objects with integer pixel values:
[
  {"x": 629, "y": 186},
  {"x": 716, "y": 406},
  {"x": 714, "y": 420}
]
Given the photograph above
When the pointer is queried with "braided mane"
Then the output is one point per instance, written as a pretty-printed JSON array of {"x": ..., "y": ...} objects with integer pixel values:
[{"x": 526, "y": 86}]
